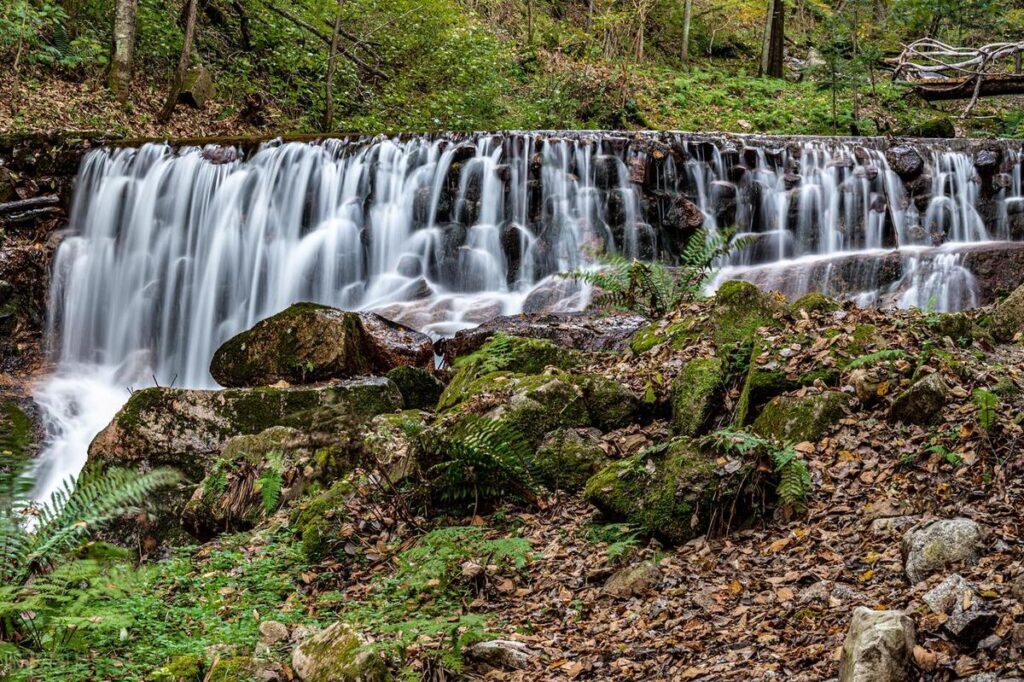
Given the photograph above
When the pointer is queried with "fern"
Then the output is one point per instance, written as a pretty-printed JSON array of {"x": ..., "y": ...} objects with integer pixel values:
[
  {"x": 986, "y": 402},
  {"x": 270, "y": 482},
  {"x": 794, "y": 484},
  {"x": 876, "y": 357},
  {"x": 495, "y": 355},
  {"x": 481, "y": 460}
]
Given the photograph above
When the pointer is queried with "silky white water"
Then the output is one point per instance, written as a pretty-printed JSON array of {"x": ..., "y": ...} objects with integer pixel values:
[{"x": 171, "y": 252}]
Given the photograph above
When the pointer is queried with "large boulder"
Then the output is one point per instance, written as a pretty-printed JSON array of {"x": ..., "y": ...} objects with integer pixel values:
[
  {"x": 922, "y": 403},
  {"x": 933, "y": 546},
  {"x": 1007, "y": 319},
  {"x": 567, "y": 458},
  {"x": 672, "y": 491},
  {"x": 337, "y": 654},
  {"x": 801, "y": 418},
  {"x": 878, "y": 647},
  {"x": 308, "y": 343},
  {"x": 694, "y": 393},
  {"x": 184, "y": 428}
]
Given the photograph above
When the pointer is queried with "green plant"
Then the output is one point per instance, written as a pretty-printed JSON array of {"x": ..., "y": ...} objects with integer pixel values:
[
  {"x": 480, "y": 459},
  {"x": 621, "y": 538},
  {"x": 651, "y": 288},
  {"x": 876, "y": 357},
  {"x": 986, "y": 402},
  {"x": 794, "y": 478}
]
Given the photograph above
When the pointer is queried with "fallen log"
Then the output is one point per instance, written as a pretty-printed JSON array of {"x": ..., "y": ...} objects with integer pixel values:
[
  {"x": 21, "y": 205},
  {"x": 30, "y": 215},
  {"x": 963, "y": 88}
]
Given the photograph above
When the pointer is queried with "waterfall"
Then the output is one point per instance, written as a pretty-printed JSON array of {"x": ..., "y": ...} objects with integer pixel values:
[{"x": 172, "y": 251}]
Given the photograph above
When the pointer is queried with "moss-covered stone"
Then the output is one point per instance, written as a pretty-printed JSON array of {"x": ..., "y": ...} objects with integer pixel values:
[
  {"x": 801, "y": 418},
  {"x": 693, "y": 394},
  {"x": 319, "y": 519},
  {"x": 765, "y": 380},
  {"x": 567, "y": 458},
  {"x": 922, "y": 403},
  {"x": 740, "y": 309},
  {"x": 677, "y": 335},
  {"x": 17, "y": 433},
  {"x": 235, "y": 668},
  {"x": 308, "y": 343},
  {"x": 672, "y": 491},
  {"x": 610, "y": 404},
  {"x": 337, "y": 654},
  {"x": 814, "y": 302},
  {"x": 506, "y": 354},
  {"x": 538, "y": 407},
  {"x": 186, "y": 668},
  {"x": 420, "y": 388},
  {"x": 955, "y": 326}
]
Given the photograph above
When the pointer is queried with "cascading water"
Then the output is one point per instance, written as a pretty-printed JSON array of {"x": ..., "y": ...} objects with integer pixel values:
[{"x": 173, "y": 251}]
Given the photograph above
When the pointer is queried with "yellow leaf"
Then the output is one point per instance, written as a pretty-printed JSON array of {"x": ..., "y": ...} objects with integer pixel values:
[{"x": 866, "y": 576}]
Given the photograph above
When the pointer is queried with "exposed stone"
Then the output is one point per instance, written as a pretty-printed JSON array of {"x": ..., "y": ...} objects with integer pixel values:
[
  {"x": 272, "y": 632},
  {"x": 922, "y": 403},
  {"x": 420, "y": 389},
  {"x": 1007, "y": 319},
  {"x": 182, "y": 428},
  {"x": 567, "y": 458},
  {"x": 337, "y": 654},
  {"x": 502, "y": 654},
  {"x": 869, "y": 383},
  {"x": 942, "y": 597},
  {"x": 905, "y": 160},
  {"x": 634, "y": 580},
  {"x": 693, "y": 394},
  {"x": 308, "y": 343},
  {"x": 891, "y": 524},
  {"x": 801, "y": 418},
  {"x": 878, "y": 647},
  {"x": 933, "y": 546},
  {"x": 972, "y": 623}
]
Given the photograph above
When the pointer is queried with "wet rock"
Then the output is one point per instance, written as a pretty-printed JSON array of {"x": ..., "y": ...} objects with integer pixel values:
[
  {"x": 586, "y": 332},
  {"x": 555, "y": 294},
  {"x": 634, "y": 580},
  {"x": 693, "y": 395},
  {"x": 878, "y": 647},
  {"x": 801, "y": 418},
  {"x": 1006, "y": 321},
  {"x": 671, "y": 491},
  {"x": 308, "y": 343},
  {"x": 942, "y": 597},
  {"x": 922, "y": 403},
  {"x": 420, "y": 389},
  {"x": 502, "y": 654},
  {"x": 905, "y": 160},
  {"x": 933, "y": 546},
  {"x": 567, "y": 458},
  {"x": 183, "y": 428},
  {"x": 986, "y": 160},
  {"x": 337, "y": 654}
]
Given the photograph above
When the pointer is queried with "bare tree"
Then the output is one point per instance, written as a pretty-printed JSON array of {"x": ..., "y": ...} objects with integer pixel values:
[
  {"x": 687, "y": 18},
  {"x": 773, "y": 49},
  {"x": 124, "y": 48},
  {"x": 182, "y": 70},
  {"x": 331, "y": 62}
]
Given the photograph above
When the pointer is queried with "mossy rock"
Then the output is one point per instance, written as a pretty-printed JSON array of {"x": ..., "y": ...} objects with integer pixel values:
[
  {"x": 922, "y": 403},
  {"x": 814, "y": 302},
  {"x": 420, "y": 388},
  {"x": 309, "y": 343},
  {"x": 504, "y": 354},
  {"x": 338, "y": 654},
  {"x": 610, "y": 404},
  {"x": 235, "y": 668},
  {"x": 764, "y": 382},
  {"x": 938, "y": 127},
  {"x": 17, "y": 432},
  {"x": 677, "y": 335},
  {"x": 183, "y": 428},
  {"x": 568, "y": 458},
  {"x": 694, "y": 393},
  {"x": 801, "y": 418},
  {"x": 185, "y": 668},
  {"x": 541, "y": 404},
  {"x": 740, "y": 309},
  {"x": 318, "y": 520},
  {"x": 672, "y": 491},
  {"x": 257, "y": 474},
  {"x": 955, "y": 326}
]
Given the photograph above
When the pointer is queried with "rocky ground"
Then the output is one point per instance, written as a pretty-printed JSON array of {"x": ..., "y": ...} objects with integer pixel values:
[{"x": 743, "y": 489}]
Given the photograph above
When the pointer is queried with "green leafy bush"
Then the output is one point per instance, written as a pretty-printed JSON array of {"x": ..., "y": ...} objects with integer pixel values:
[{"x": 794, "y": 478}]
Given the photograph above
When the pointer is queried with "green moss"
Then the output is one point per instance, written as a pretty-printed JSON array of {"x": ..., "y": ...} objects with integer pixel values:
[
  {"x": 801, "y": 418},
  {"x": 646, "y": 338},
  {"x": 419, "y": 388},
  {"x": 739, "y": 310},
  {"x": 693, "y": 394},
  {"x": 671, "y": 491},
  {"x": 186, "y": 668},
  {"x": 814, "y": 302},
  {"x": 955, "y": 326},
  {"x": 568, "y": 458},
  {"x": 234, "y": 669},
  {"x": 16, "y": 430},
  {"x": 318, "y": 519},
  {"x": 864, "y": 339},
  {"x": 610, "y": 404}
]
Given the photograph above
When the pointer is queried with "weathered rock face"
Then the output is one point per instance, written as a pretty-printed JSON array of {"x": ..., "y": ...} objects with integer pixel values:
[
  {"x": 308, "y": 343},
  {"x": 671, "y": 491},
  {"x": 801, "y": 418},
  {"x": 567, "y": 458},
  {"x": 197, "y": 88},
  {"x": 878, "y": 647},
  {"x": 503, "y": 654},
  {"x": 922, "y": 403},
  {"x": 586, "y": 332},
  {"x": 184, "y": 428},
  {"x": 337, "y": 654},
  {"x": 1007, "y": 320},
  {"x": 933, "y": 546}
]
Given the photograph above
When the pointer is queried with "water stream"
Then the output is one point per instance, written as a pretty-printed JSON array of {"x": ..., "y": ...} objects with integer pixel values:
[{"x": 172, "y": 251}]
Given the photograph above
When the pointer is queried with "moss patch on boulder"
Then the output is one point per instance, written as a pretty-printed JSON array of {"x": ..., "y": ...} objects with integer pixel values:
[
  {"x": 1007, "y": 319},
  {"x": 567, "y": 458},
  {"x": 693, "y": 394},
  {"x": 740, "y": 309},
  {"x": 337, "y": 654},
  {"x": 611, "y": 405},
  {"x": 319, "y": 519},
  {"x": 672, "y": 491},
  {"x": 801, "y": 418}
]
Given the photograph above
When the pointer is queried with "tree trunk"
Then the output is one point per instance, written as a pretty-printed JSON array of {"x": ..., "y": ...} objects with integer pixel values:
[
  {"x": 331, "y": 61},
  {"x": 773, "y": 49},
  {"x": 687, "y": 17},
  {"x": 182, "y": 70},
  {"x": 529, "y": 22},
  {"x": 124, "y": 47}
]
